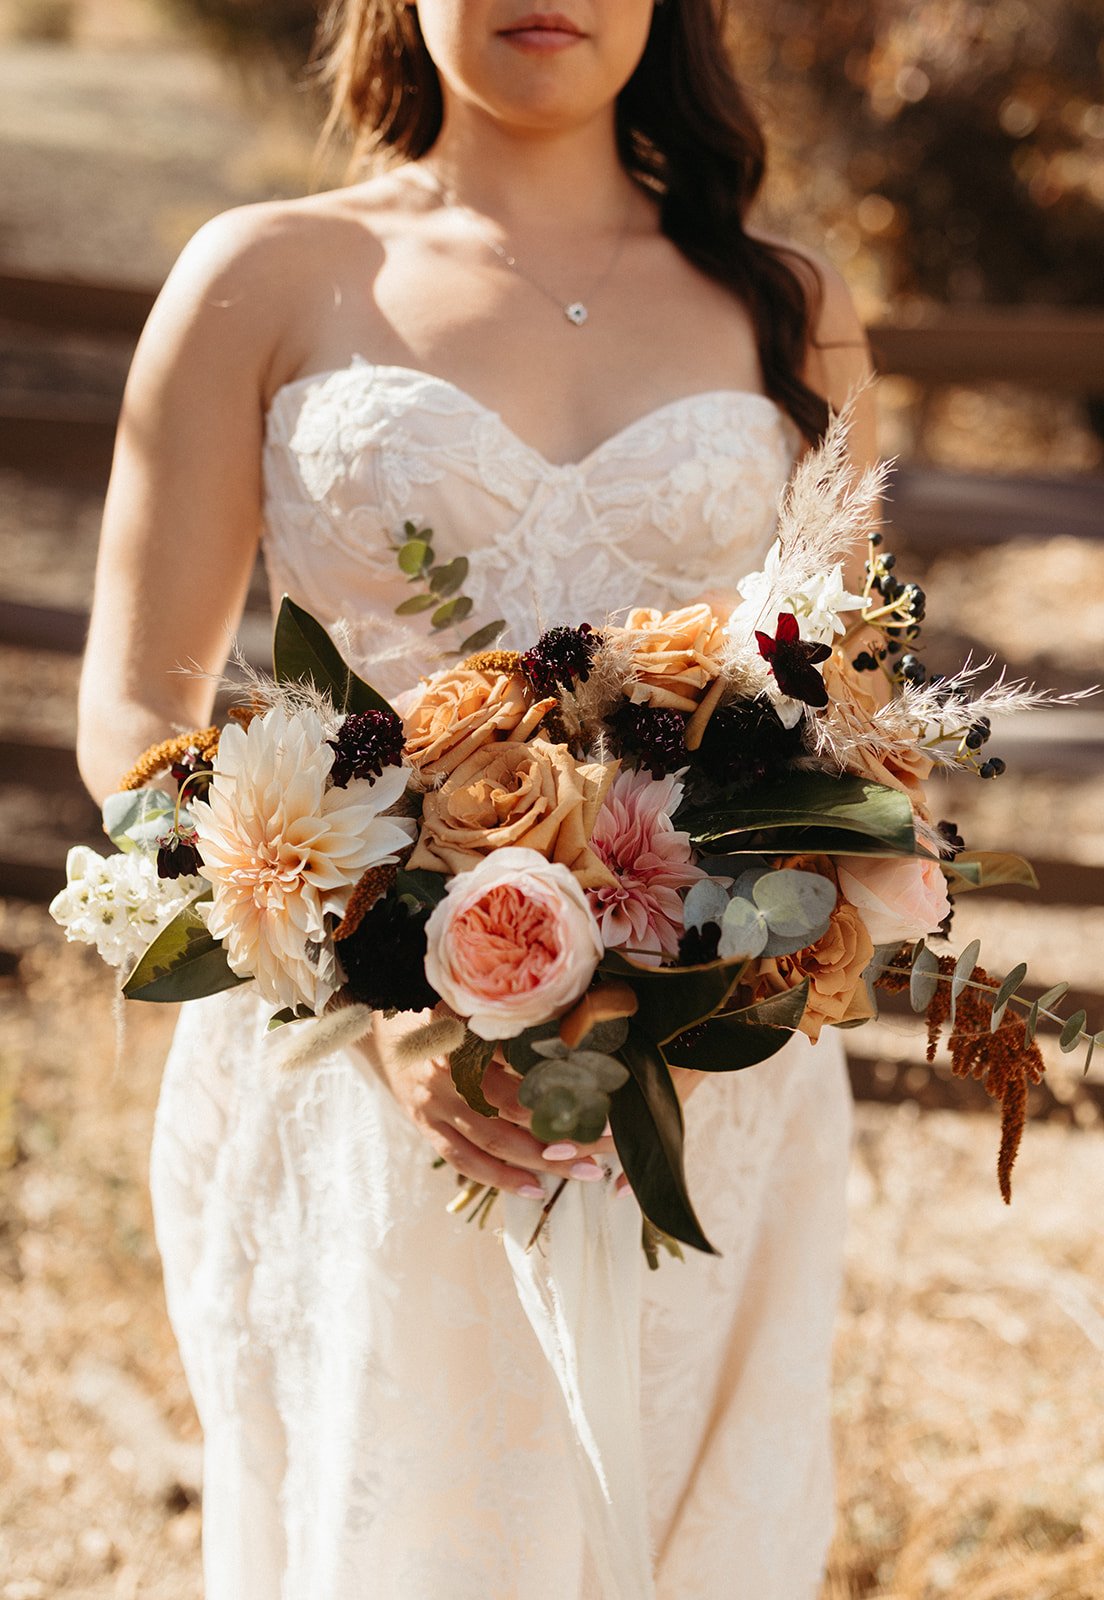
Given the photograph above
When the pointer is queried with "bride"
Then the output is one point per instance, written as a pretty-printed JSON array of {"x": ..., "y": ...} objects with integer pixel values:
[{"x": 543, "y": 326}]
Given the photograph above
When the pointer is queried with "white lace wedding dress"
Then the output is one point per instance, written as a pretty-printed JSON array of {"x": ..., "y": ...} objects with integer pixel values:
[{"x": 379, "y": 1421}]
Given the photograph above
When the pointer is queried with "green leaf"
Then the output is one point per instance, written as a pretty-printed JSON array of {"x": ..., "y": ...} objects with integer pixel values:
[
  {"x": 133, "y": 819},
  {"x": 1004, "y": 994},
  {"x": 416, "y": 603},
  {"x": 303, "y": 652},
  {"x": 1031, "y": 1022},
  {"x": 447, "y": 579},
  {"x": 287, "y": 1014},
  {"x": 519, "y": 1051},
  {"x": 1089, "y": 1056},
  {"x": 984, "y": 869},
  {"x": 738, "y": 1039},
  {"x": 413, "y": 556},
  {"x": 452, "y": 611},
  {"x": 924, "y": 978},
  {"x": 1071, "y": 1033},
  {"x": 428, "y": 888},
  {"x": 963, "y": 968},
  {"x": 1047, "y": 1000},
  {"x": 482, "y": 637},
  {"x": 646, "y": 1120},
  {"x": 806, "y": 803},
  {"x": 184, "y": 962},
  {"x": 467, "y": 1064},
  {"x": 670, "y": 999}
]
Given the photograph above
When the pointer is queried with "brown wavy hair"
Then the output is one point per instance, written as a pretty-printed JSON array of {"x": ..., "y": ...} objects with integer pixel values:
[{"x": 686, "y": 132}]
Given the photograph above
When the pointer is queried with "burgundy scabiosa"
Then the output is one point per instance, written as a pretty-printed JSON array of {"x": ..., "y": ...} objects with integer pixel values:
[
  {"x": 560, "y": 659},
  {"x": 654, "y": 735},
  {"x": 366, "y": 742},
  {"x": 746, "y": 742}
]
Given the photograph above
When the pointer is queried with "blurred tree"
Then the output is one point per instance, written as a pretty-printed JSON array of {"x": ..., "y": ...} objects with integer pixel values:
[{"x": 957, "y": 146}]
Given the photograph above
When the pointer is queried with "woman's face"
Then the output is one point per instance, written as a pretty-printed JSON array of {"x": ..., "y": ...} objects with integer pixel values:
[{"x": 544, "y": 66}]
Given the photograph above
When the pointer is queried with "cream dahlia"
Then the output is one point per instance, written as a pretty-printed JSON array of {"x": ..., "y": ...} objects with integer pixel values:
[
  {"x": 650, "y": 861},
  {"x": 281, "y": 849}
]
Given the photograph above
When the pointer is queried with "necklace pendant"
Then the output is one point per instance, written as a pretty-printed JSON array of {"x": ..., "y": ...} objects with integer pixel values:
[{"x": 576, "y": 312}]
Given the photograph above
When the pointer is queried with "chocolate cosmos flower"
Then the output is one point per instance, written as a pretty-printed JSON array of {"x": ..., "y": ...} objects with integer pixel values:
[{"x": 793, "y": 661}]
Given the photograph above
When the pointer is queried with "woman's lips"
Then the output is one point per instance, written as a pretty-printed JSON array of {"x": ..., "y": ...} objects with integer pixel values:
[{"x": 548, "y": 36}]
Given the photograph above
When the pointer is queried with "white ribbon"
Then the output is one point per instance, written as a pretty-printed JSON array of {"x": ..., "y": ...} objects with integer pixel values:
[{"x": 580, "y": 1287}]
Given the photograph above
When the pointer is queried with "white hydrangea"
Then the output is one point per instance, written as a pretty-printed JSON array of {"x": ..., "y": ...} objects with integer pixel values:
[{"x": 117, "y": 902}]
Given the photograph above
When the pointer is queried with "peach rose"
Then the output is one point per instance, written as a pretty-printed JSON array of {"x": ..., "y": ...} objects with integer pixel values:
[
  {"x": 675, "y": 655},
  {"x": 897, "y": 899},
  {"x": 834, "y": 965},
  {"x": 513, "y": 943},
  {"x": 854, "y": 697},
  {"x": 535, "y": 796},
  {"x": 460, "y": 711}
]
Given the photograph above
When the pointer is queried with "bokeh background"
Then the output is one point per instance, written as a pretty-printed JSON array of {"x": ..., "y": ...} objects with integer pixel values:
[{"x": 949, "y": 157}]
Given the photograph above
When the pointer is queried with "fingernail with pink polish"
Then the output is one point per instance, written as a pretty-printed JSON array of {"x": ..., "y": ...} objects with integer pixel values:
[
  {"x": 531, "y": 1191},
  {"x": 560, "y": 1152},
  {"x": 586, "y": 1170}
]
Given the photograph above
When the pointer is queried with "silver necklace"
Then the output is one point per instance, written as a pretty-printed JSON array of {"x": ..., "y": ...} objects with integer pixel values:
[{"x": 576, "y": 311}]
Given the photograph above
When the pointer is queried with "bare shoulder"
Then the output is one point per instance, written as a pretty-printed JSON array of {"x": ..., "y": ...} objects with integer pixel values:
[{"x": 840, "y": 349}]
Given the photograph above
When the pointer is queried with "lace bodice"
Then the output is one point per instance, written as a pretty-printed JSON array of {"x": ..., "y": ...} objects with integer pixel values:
[{"x": 681, "y": 501}]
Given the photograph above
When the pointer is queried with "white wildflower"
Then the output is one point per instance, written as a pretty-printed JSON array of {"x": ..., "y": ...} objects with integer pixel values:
[{"x": 117, "y": 902}]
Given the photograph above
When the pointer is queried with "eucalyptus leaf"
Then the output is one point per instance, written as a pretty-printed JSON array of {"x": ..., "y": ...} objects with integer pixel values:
[
  {"x": 670, "y": 999},
  {"x": 646, "y": 1120},
  {"x": 447, "y": 579},
  {"x": 416, "y": 603},
  {"x": 413, "y": 556},
  {"x": 608, "y": 1037},
  {"x": 467, "y": 1064},
  {"x": 303, "y": 652},
  {"x": 963, "y": 969},
  {"x": 738, "y": 1039},
  {"x": 482, "y": 637},
  {"x": 1004, "y": 994},
  {"x": 184, "y": 962},
  {"x": 134, "y": 819},
  {"x": 454, "y": 610},
  {"x": 1088, "y": 1056},
  {"x": 706, "y": 902},
  {"x": 924, "y": 978},
  {"x": 1071, "y": 1032},
  {"x": 1031, "y": 1022},
  {"x": 744, "y": 931},
  {"x": 1048, "y": 999},
  {"x": 795, "y": 903},
  {"x": 520, "y": 1051}
]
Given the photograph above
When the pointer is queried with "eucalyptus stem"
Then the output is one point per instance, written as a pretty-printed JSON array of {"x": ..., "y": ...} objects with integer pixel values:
[{"x": 994, "y": 988}]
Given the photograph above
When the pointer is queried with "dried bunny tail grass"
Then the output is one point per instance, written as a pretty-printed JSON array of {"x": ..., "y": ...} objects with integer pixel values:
[
  {"x": 335, "y": 1030},
  {"x": 437, "y": 1038},
  {"x": 161, "y": 756}
]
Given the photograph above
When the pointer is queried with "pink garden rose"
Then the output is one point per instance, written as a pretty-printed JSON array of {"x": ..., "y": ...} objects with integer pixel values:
[
  {"x": 897, "y": 899},
  {"x": 650, "y": 861},
  {"x": 513, "y": 943}
]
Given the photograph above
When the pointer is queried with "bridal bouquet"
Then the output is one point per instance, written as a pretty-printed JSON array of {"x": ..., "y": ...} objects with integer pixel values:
[{"x": 668, "y": 840}]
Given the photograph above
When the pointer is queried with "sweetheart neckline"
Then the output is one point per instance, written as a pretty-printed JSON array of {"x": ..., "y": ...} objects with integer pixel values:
[{"x": 782, "y": 417}]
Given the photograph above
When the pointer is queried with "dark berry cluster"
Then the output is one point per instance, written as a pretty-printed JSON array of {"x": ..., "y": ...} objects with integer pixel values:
[
  {"x": 384, "y": 958},
  {"x": 655, "y": 735},
  {"x": 560, "y": 658},
  {"x": 745, "y": 742},
  {"x": 951, "y": 836},
  {"x": 366, "y": 742}
]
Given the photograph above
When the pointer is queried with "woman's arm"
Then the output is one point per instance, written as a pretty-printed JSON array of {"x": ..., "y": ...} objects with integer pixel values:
[{"x": 182, "y": 513}]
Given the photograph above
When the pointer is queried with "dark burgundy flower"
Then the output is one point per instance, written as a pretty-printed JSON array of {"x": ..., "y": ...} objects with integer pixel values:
[
  {"x": 654, "y": 735},
  {"x": 366, "y": 742},
  {"x": 560, "y": 659},
  {"x": 699, "y": 945},
  {"x": 384, "y": 958},
  {"x": 190, "y": 762},
  {"x": 746, "y": 742},
  {"x": 178, "y": 854},
  {"x": 793, "y": 661}
]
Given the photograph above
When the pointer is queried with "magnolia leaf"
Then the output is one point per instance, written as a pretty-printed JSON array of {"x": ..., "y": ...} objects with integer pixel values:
[
  {"x": 134, "y": 819},
  {"x": 303, "y": 652},
  {"x": 452, "y": 611},
  {"x": 963, "y": 968},
  {"x": 646, "y": 1120},
  {"x": 673, "y": 998},
  {"x": 737, "y": 1039},
  {"x": 744, "y": 931},
  {"x": 706, "y": 902},
  {"x": 1071, "y": 1032},
  {"x": 413, "y": 556},
  {"x": 184, "y": 962},
  {"x": 467, "y": 1064},
  {"x": 984, "y": 869},
  {"x": 924, "y": 978},
  {"x": 287, "y": 1014},
  {"x": 447, "y": 579},
  {"x": 427, "y": 888},
  {"x": 806, "y": 804},
  {"x": 1004, "y": 994},
  {"x": 482, "y": 637},
  {"x": 416, "y": 603}
]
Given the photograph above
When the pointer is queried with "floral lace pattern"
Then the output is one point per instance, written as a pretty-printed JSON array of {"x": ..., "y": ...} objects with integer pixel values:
[{"x": 379, "y": 1422}]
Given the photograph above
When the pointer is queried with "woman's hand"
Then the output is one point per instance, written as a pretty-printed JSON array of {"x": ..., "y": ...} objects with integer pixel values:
[{"x": 500, "y": 1151}]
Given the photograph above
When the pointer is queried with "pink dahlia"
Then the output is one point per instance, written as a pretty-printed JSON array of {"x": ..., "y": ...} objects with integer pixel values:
[{"x": 636, "y": 839}]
